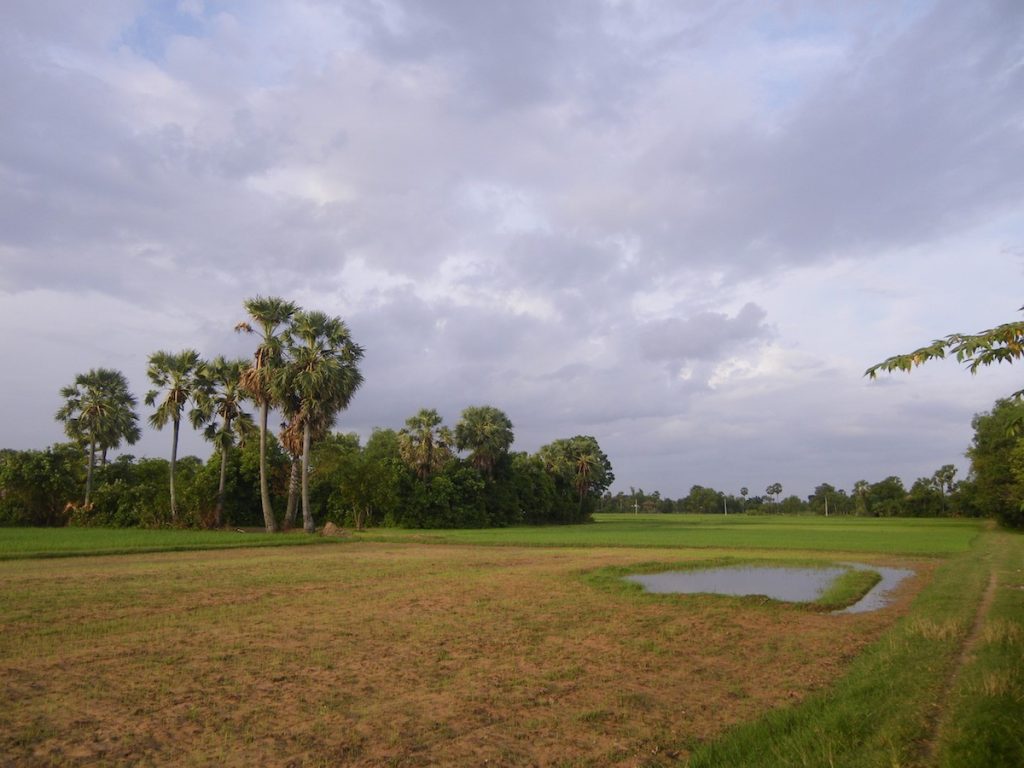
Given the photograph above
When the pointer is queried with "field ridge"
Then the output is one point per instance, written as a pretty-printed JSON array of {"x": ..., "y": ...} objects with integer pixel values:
[{"x": 939, "y": 717}]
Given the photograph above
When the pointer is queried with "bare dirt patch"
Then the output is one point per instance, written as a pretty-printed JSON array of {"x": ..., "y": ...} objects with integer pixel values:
[{"x": 388, "y": 655}]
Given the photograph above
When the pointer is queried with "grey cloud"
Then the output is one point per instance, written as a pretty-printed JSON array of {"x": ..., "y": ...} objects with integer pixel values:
[
  {"x": 636, "y": 136},
  {"x": 703, "y": 336}
]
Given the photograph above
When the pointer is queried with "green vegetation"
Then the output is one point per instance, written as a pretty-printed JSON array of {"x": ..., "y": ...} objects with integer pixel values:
[
  {"x": 998, "y": 443},
  {"x": 306, "y": 366},
  {"x": 982, "y": 726},
  {"x": 882, "y": 711},
  {"x": 905, "y": 536},
  {"x": 847, "y": 589},
  {"x": 24, "y": 543}
]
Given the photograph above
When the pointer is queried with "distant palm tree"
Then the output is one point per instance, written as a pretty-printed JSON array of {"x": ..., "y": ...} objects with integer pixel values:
[
  {"x": 271, "y": 314},
  {"x": 486, "y": 432},
  {"x": 322, "y": 375},
  {"x": 424, "y": 443},
  {"x": 178, "y": 382},
  {"x": 99, "y": 412},
  {"x": 229, "y": 423}
]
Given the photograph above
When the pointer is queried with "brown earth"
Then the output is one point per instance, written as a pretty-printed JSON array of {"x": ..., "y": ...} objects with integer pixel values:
[{"x": 385, "y": 654}]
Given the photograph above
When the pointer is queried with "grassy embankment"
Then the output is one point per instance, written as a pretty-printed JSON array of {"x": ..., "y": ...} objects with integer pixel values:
[
  {"x": 409, "y": 653},
  {"x": 23, "y": 543}
]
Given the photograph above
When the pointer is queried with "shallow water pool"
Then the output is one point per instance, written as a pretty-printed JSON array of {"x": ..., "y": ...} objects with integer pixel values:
[{"x": 790, "y": 584}]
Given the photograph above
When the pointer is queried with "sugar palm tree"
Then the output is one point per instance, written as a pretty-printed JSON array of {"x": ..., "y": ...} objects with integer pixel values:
[
  {"x": 229, "y": 423},
  {"x": 270, "y": 314},
  {"x": 99, "y": 412},
  {"x": 424, "y": 443},
  {"x": 177, "y": 382},
  {"x": 319, "y": 380},
  {"x": 486, "y": 432}
]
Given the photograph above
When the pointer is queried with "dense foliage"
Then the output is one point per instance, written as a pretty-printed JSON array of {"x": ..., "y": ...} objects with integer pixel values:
[
  {"x": 936, "y": 496},
  {"x": 426, "y": 475}
]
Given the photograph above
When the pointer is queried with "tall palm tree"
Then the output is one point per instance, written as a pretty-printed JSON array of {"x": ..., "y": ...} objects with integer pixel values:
[
  {"x": 229, "y": 423},
  {"x": 486, "y": 432},
  {"x": 270, "y": 314},
  {"x": 320, "y": 379},
  {"x": 99, "y": 412},
  {"x": 177, "y": 379},
  {"x": 424, "y": 443}
]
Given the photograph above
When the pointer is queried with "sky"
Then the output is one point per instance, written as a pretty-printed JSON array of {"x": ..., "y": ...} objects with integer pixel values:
[{"x": 684, "y": 228}]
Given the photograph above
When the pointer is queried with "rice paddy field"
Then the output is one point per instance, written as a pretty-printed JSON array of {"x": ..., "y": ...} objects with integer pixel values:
[{"x": 519, "y": 647}]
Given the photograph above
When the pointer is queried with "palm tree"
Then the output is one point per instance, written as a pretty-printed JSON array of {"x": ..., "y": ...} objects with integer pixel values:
[
  {"x": 580, "y": 463},
  {"x": 486, "y": 432},
  {"x": 177, "y": 377},
  {"x": 424, "y": 443},
  {"x": 291, "y": 438},
  {"x": 223, "y": 401},
  {"x": 99, "y": 411},
  {"x": 270, "y": 314},
  {"x": 321, "y": 377}
]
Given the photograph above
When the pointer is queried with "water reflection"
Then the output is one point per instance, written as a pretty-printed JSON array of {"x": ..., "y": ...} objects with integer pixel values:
[{"x": 795, "y": 585}]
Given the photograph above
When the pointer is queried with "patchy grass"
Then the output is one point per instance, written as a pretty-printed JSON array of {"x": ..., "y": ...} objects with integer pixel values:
[
  {"x": 380, "y": 654},
  {"x": 25, "y": 543},
  {"x": 884, "y": 711},
  {"x": 983, "y": 725},
  {"x": 889, "y": 536},
  {"x": 427, "y": 651},
  {"x": 847, "y": 589}
]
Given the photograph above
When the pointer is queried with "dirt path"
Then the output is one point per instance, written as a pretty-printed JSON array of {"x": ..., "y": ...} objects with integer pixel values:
[{"x": 939, "y": 716}]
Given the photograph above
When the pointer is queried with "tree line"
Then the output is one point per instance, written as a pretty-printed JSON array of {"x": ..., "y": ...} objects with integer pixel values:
[
  {"x": 994, "y": 486},
  {"x": 306, "y": 367}
]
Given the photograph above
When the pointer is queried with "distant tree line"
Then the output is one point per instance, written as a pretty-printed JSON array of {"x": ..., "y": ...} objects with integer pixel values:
[
  {"x": 994, "y": 486},
  {"x": 306, "y": 367}
]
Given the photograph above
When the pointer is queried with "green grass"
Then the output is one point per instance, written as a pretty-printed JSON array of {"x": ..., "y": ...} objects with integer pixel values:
[
  {"x": 847, "y": 589},
  {"x": 21, "y": 543},
  {"x": 902, "y": 536},
  {"x": 931, "y": 537},
  {"x": 983, "y": 727},
  {"x": 880, "y": 712}
]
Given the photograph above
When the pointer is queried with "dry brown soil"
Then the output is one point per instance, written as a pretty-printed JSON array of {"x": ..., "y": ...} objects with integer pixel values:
[{"x": 389, "y": 654}]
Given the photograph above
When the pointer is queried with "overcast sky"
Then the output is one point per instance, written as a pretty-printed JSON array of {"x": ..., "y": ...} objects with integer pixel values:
[{"x": 685, "y": 228}]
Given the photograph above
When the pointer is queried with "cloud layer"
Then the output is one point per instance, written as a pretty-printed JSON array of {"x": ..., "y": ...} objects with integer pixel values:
[{"x": 684, "y": 228}]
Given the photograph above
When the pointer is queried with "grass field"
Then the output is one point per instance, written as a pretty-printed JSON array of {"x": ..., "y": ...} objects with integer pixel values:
[
  {"x": 921, "y": 536},
  {"x": 19, "y": 543},
  {"x": 423, "y": 651}
]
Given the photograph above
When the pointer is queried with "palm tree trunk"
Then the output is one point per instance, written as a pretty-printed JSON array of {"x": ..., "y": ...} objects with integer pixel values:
[
  {"x": 174, "y": 463},
  {"x": 293, "y": 494},
  {"x": 88, "y": 472},
  {"x": 307, "y": 515},
  {"x": 218, "y": 512},
  {"x": 268, "y": 512}
]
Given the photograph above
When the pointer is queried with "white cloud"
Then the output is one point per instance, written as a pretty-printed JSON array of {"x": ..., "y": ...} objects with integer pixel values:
[{"x": 683, "y": 228}]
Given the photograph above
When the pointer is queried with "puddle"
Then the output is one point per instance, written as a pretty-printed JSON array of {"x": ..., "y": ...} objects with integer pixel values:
[
  {"x": 793, "y": 585},
  {"x": 878, "y": 596}
]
